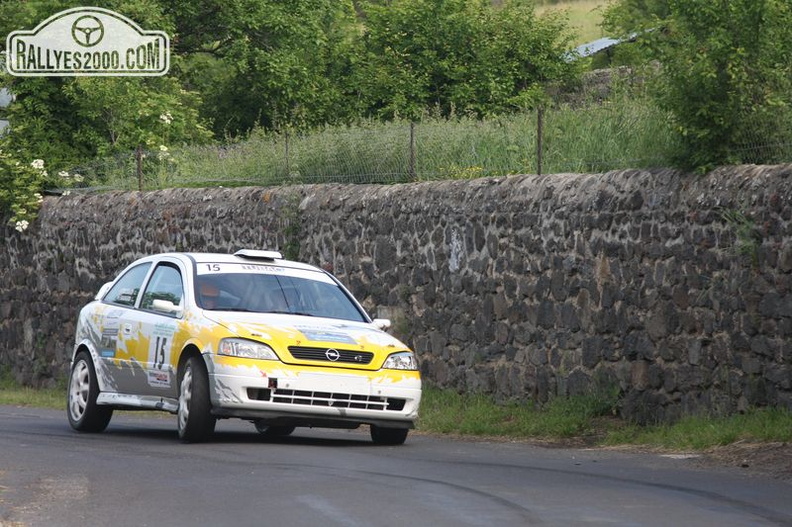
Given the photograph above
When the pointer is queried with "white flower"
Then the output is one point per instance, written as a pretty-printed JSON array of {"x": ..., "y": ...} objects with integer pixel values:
[
  {"x": 39, "y": 197},
  {"x": 66, "y": 192},
  {"x": 166, "y": 118},
  {"x": 38, "y": 164},
  {"x": 78, "y": 177},
  {"x": 21, "y": 225},
  {"x": 63, "y": 174},
  {"x": 163, "y": 148}
]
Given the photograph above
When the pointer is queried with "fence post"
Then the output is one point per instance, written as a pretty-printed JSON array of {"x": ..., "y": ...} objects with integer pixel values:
[
  {"x": 411, "y": 169},
  {"x": 539, "y": 134},
  {"x": 139, "y": 166},
  {"x": 286, "y": 153}
]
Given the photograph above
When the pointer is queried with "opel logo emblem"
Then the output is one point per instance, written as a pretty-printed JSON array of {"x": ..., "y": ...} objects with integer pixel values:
[{"x": 332, "y": 355}]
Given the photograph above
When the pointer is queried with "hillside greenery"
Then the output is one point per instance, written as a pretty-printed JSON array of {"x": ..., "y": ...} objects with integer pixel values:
[{"x": 248, "y": 76}]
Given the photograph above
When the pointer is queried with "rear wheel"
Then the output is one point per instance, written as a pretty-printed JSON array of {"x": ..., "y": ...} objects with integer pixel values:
[
  {"x": 388, "y": 436},
  {"x": 196, "y": 422},
  {"x": 272, "y": 431},
  {"x": 84, "y": 414}
]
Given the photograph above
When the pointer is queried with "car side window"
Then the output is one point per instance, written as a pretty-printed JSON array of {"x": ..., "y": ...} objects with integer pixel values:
[
  {"x": 126, "y": 290},
  {"x": 165, "y": 284}
]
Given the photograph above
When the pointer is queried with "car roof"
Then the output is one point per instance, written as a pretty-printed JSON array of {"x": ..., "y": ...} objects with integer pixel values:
[{"x": 233, "y": 258}]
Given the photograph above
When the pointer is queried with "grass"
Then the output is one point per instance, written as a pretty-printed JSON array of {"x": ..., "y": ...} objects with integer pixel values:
[
  {"x": 699, "y": 433},
  {"x": 13, "y": 394},
  {"x": 584, "y": 17},
  {"x": 587, "y": 418},
  {"x": 448, "y": 412},
  {"x": 624, "y": 132},
  {"x": 591, "y": 419}
]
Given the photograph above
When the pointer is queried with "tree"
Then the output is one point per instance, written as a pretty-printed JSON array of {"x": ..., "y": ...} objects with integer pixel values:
[
  {"x": 267, "y": 63},
  {"x": 726, "y": 73},
  {"x": 457, "y": 56},
  {"x": 727, "y": 78},
  {"x": 624, "y": 17}
]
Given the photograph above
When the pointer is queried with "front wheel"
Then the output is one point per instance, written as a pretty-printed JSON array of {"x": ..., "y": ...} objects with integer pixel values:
[
  {"x": 84, "y": 414},
  {"x": 388, "y": 436},
  {"x": 196, "y": 423}
]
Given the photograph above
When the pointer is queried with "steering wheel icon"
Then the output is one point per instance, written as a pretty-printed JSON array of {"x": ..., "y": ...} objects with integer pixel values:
[{"x": 87, "y": 31}]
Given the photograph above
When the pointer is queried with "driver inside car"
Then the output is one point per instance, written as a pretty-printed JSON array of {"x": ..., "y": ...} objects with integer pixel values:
[{"x": 209, "y": 295}]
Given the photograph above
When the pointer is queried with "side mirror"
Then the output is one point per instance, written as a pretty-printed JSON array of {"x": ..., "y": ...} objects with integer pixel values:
[
  {"x": 166, "y": 306},
  {"x": 381, "y": 323},
  {"x": 103, "y": 291}
]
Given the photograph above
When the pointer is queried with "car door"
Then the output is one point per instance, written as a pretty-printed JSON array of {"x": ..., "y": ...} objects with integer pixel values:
[
  {"x": 153, "y": 328},
  {"x": 115, "y": 329}
]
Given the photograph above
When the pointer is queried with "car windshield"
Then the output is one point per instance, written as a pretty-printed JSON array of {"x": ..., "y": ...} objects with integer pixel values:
[{"x": 272, "y": 289}]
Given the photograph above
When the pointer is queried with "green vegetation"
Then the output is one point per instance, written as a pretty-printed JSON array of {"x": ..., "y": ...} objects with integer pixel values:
[
  {"x": 592, "y": 419},
  {"x": 256, "y": 76},
  {"x": 20, "y": 184},
  {"x": 583, "y": 16},
  {"x": 725, "y": 75},
  {"x": 446, "y": 411},
  {"x": 627, "y": 131},
  {"x": 748, "y": 238},
  {"x": 285, "y": 68},
  {"x": 756, "y": 425},
  {"x": 13, "y": 394}
]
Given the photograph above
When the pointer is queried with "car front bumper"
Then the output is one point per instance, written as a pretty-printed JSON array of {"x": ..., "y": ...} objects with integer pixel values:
[{"x": 281, "y": 394}]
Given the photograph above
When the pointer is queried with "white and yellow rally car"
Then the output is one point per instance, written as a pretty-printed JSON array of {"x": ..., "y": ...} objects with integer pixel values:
[{"x": 211, "y": 336}]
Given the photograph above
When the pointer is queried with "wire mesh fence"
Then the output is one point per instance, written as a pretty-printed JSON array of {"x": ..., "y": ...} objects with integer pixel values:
[{"x": 597, "y": 138}]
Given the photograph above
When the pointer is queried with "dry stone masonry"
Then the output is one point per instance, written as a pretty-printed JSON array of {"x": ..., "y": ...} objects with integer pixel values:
[{"x": 672, "y": 288}]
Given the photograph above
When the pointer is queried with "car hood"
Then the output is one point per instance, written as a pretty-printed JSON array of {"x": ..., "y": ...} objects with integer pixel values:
[{"x": 298, "y": 330}]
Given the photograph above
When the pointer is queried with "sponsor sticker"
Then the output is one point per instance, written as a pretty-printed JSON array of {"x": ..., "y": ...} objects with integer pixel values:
[
  {"x": 236, "y": 268},
  {"x": 324, "y": 335},
  {"x": 159, "y": 379},
  {"x": 159, "y": 353}
]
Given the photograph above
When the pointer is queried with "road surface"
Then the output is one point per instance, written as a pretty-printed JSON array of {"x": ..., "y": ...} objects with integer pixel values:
[{"x": 137, "y": 473}]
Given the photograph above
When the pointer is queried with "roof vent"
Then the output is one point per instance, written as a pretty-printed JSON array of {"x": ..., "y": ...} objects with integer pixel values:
[{"x": 253, "y": 254}]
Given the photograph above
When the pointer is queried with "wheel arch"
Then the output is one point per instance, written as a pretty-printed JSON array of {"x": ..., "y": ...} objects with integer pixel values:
[
  {"x": 99, "y": 369},
  {"x": 190, "y": 350}
]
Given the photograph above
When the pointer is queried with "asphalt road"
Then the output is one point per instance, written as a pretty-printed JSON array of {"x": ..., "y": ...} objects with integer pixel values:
[{"x": 138, "y": 473}]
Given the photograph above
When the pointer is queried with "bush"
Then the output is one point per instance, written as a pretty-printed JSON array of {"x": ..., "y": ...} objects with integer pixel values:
[{"x": 20, "y": 184}]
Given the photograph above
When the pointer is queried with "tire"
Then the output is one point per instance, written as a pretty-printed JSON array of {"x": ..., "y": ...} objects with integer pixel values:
[
  {"x": 195, "y": 421},
  {"x": 84, "y": 414},
  {"x": 388, "y": 436},
  {"x": 273, "y": 431}
]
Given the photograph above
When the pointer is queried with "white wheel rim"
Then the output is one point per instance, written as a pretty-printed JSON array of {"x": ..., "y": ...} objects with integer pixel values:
[
  {"x": 185, "y": 396},
  {"x": 79, "y": 390}
]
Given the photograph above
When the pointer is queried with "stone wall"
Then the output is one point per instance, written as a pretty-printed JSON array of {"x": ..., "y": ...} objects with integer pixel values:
[{"x": 672, "y": 287}]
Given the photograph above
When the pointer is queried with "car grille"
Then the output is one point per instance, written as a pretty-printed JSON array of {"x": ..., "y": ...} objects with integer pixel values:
[
  {"x": 321, "y": 354},
  {"x": 330, "y": 400}
]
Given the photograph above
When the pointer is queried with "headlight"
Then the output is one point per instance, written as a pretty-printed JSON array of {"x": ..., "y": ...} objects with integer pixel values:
[
  {"x": 246, "y": 349},
  {"x": 401, "y": 361}
]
